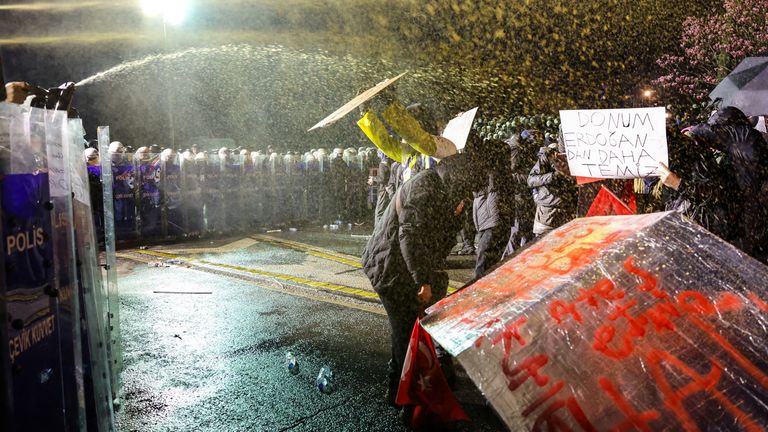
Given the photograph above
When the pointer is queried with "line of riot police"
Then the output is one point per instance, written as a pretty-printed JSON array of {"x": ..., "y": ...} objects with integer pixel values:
[{"x": 163, "y": 194}]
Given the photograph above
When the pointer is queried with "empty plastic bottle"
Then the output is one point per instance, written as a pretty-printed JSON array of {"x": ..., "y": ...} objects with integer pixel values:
[
  {"x": 292, "y": 363},
  {"x": 324, "y": 381},
  {"x": 45, "y": 375}
]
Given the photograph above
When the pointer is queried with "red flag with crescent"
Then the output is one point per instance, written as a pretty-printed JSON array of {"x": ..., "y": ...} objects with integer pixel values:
[{"x": 423, "y": 384}]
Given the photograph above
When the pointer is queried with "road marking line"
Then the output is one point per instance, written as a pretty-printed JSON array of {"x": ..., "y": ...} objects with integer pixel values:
[
  {"x": 374, "y": 308},
  {"x": 230, "y": 247},
  {"x": 330, "y": 255},
  {"x": 297, "y": 279}
]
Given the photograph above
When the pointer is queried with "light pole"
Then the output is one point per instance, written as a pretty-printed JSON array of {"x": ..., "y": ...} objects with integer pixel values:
[{"x": 171, "y": 12}]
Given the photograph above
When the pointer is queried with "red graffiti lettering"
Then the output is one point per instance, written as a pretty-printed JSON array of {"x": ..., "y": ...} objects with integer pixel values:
[
  {"x": 604, "y": 335},
  {"x": 695, "y": 302},
  {"x": 529, "y": 368},
  {"x": 673, "y": 398},
  {"x": 633, "y": 419},
  {"x": 744, "y": 362},
  {"x": 729, "y": 302},
  {"x": 602, "y": 289},
  {"x": 552, "y": 422},
  {"x": 660, "y": 316},
  {"x": 559, "y": 308},
  {"x": 763, "y": 306},
  {"x": 543, "y": 398},
  {"x": 650, "y": 281}
]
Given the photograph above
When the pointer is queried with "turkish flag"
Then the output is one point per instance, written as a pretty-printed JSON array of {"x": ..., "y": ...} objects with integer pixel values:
[
  {"x": 608, "y": 204},
  {"x": 423, "y": 384}
]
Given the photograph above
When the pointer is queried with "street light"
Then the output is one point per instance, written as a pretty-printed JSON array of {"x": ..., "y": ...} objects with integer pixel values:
[
  {"x": 173, "y": 12},
  {"x": 647, "y": 93}
]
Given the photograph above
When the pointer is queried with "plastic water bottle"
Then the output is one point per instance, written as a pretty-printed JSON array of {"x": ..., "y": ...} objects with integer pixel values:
[
  {"x": 324, "y": 381},
  {"x": 45, "y": 375},
  {"x": 292, "y": 363}
]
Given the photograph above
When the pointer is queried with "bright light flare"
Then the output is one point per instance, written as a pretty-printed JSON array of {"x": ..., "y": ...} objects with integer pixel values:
[
  {"x": 172, "y": 11},
  {"x": 648, "y": 93}
]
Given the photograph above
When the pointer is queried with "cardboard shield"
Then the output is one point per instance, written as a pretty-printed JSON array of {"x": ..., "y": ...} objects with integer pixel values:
[{"x": 356, "y": 102}]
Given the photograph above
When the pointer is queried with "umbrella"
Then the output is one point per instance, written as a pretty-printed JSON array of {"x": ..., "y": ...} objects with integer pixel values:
[
  {"x": 746, "y": 87},
  {"x": 355, "y": 102}
]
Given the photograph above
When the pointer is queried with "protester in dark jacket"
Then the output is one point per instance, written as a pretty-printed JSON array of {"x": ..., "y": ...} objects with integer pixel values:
[
  {"x": 409, "y": 244},
  {"x": 554, "y": 191},
  {"x": 729, "y": 130},
  {"x": 704, "y": 188}
]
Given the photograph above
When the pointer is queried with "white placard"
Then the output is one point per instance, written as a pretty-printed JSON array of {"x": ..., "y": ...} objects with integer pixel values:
[
  {"x": 615, "y": 143},
  {"x": 457, "y": 130}
]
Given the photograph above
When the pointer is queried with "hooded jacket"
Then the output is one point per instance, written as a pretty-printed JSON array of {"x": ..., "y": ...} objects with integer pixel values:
[
  {"x": 555, "y": 195},
  {"x": 408, "y": 245}
]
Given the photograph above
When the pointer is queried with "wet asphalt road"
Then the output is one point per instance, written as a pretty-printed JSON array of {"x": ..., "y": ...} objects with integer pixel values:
[{"x": 216, "y": 361}]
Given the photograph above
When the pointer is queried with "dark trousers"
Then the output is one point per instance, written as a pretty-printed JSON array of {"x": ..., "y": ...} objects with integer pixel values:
[
  {"x": 402, "y": 308},
  {"x": 490, "y": 247}
]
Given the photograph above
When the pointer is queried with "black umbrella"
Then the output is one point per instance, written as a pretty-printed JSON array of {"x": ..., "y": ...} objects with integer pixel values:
[{"x": 746, "y": 87}]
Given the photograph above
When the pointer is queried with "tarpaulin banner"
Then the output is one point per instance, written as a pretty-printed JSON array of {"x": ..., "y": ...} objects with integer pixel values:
[{"x": 614, "y": 323}]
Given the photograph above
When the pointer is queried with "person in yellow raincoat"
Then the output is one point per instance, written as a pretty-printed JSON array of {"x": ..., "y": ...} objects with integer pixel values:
[{"x": 414, "y": 142}]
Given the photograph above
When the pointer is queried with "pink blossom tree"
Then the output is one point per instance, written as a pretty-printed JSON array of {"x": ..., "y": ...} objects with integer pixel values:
[{"x": 713, "y": 45}]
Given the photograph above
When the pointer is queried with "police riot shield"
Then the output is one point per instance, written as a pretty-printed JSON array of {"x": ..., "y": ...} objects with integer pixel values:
[
  {"x": 247, "y": 193},
  {"x": 191, "y": 195},
  {"x": 124, "y": 186},
  {"x": 171, "y": 195},
  {"x": 261, "y": 175},
  {"x": 92, "y": 296},
  {"x": 230, "y": 188},
  {"x": 275, "y": 189},
  {"x": 212, "y": 196},
  {"x": 147, "y": 166},
  {"x": 290, "y": 194},
  {"x": 312, "y": 188},
  {"x": 6, "y": 383},
  {"x": 110, "y": 202},
  {"x": 40, "y": 304}
]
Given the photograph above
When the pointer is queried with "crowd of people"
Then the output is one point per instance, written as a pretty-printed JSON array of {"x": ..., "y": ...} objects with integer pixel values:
[{"x": 501, "y": 195}]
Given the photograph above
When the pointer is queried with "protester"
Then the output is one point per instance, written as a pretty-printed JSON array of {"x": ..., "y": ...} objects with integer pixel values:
[
  {"x": 492, "y": 208},
  {"x": 410, "y": 241},
  {"x": 730, "y": 130},
  {"x": 554, "y": 190},
  {"x": 382, "y": 182},
  {"x": 523, "y": 156}
]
